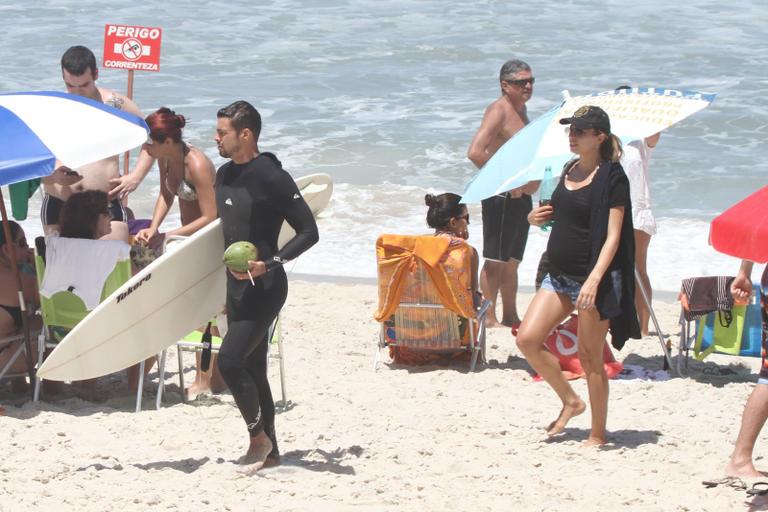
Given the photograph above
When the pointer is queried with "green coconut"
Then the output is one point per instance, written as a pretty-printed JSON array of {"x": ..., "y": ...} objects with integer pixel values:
[{"x": 237, "y": 256}]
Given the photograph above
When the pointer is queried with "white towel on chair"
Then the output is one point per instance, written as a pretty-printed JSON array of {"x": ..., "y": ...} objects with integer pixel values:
[{"x": 80, "y": 266}]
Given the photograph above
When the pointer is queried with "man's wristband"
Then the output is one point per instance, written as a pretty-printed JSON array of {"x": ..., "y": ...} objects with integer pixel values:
[{"x": 275, "y": 262}]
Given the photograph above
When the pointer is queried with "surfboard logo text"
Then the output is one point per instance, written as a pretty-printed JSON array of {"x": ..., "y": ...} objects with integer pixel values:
[{"x": 131, "y": 289}]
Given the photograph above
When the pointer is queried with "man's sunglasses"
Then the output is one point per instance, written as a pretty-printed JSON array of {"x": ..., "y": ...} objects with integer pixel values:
[{"x": 522, "y": 82}]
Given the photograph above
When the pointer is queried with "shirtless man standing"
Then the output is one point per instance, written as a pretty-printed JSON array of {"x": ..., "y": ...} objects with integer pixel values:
[
  {"x": 79, "y": 71},
  {"x": 505, "y": 225}
]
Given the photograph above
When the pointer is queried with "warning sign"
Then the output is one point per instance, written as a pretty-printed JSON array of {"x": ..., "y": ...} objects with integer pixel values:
[{"x": 128, "y": 47}]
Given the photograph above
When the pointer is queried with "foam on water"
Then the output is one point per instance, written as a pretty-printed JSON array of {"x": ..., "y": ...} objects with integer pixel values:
[
  {"x": 386, "y": 96},
  {"x": 347, "y": 238}
]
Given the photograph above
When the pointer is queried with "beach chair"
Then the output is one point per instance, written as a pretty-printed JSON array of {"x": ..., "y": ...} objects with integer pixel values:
[
  {"x": 425, "y": 299},
  {"x": 192, "y": 342},
  {"x": 63, "y": 310}
]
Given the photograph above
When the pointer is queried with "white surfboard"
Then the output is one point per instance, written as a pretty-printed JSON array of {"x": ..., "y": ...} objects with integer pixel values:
[{"x": 172, "y": 296}]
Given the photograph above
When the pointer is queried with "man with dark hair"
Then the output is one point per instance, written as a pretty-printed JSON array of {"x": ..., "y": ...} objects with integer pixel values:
[
  {"x": 79, "y": 72},
  {"x": 254, "y": 196},
  {"x": 79, "y": 59},
  {"x": 242, "y": 115},
  {"x": 505, "y": 224}
]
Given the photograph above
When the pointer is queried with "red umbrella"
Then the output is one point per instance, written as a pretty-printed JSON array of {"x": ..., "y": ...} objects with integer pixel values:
[{"x": 742, "y": 229}]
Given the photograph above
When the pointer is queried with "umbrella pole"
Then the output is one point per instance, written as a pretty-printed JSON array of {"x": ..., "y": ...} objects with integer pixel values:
[
  {"x": 664, "y": 350},
  {"x": 127, "y": 155},
  {"x": 20, "y": 288}
]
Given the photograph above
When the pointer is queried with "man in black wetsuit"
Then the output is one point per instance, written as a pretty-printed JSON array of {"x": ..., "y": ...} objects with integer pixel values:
[{"x": 254, "y": 195}]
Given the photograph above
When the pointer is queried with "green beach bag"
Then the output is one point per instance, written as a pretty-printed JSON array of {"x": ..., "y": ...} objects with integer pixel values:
[{"x": 720, "y": 331}]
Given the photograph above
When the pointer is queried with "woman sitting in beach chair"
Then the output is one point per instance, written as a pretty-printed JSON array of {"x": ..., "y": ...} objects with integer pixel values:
[
  {"x": 85, "y": 215},
  {"x": 11, "y": 321},
  {"x": 428, "y": 288}
]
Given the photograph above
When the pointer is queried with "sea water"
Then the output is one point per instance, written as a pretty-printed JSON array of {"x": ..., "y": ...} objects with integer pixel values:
[{"x": 386, "y": 96}]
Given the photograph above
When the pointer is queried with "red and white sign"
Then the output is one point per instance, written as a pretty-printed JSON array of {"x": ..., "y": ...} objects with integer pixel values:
[{"x": 134, "y": 48}]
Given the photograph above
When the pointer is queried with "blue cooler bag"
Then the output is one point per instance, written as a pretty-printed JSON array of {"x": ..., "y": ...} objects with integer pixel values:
[{"x": 738, "y": 332}]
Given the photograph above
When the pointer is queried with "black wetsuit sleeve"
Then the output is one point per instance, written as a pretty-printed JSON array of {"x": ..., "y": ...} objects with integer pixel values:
[{"x": 289, "y": 203}]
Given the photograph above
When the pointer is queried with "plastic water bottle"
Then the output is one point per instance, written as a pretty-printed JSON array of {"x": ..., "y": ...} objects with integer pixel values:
[{"x": 545, "y": 193}]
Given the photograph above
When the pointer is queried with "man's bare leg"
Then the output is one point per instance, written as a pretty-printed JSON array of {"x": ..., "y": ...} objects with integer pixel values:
[
  {"x": 752, "y": 421},
  {"x": 490, "y": 279},
  {"x": 508, "y": 288}
]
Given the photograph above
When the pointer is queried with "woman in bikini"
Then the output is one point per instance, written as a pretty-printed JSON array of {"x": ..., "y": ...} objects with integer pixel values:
[
  {"x": 188, "y": 173},
  {"x": 591, "y": 268},
  {"x": 185, "y": 171},
  {"x": 449, "y": 217},
  {"x": 10, "y": 310}
]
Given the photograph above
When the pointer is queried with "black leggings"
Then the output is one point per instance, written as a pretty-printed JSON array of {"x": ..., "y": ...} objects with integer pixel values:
[{"x": 243, "y": 356}]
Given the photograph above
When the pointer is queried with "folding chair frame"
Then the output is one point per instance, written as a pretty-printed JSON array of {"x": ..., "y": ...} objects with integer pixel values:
[
  {"x": 19, "y": 351},
  {"x": 476, "y": 345},
  {"x": 687, "y": 340},
  {"x": 274, "y": 330},
  {"x": 274, "y": 334},
  {"x": 47, "y": 338}
]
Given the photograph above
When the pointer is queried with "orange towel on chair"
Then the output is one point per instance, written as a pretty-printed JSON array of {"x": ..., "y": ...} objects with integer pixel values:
[{"x": 397, "y": 255}]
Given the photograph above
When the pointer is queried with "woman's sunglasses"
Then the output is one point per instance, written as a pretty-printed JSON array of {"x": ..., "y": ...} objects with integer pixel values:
[{"x": 577, "y": 132}]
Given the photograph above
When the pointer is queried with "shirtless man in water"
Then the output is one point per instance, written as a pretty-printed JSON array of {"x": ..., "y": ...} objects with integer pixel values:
[
  {"x": 79, "y": 71},
  {"x": 505, "y": 224}
]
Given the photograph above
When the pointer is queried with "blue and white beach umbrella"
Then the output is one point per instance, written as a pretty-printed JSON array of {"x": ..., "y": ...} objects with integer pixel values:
[
  {"x": 37, "y": 128},
  {"x": 634, "y": 113}
]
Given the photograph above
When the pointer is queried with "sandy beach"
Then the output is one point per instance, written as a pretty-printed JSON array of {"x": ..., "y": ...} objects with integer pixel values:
[{"x": 419, "y": 438}]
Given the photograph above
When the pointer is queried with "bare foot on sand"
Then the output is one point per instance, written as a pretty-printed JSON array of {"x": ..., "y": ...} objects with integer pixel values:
[
  {"x": 593, "y": 442},
  {"x": 196, "y": 389},
  {"x": 568, "y": 411},
  {"x": 258, "y": 451},
  {"x": 743, "y": 470}
]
